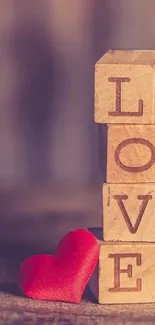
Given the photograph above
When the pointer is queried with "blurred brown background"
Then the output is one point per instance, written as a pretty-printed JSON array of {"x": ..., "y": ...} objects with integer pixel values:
[{"x": 50, "y": 180}]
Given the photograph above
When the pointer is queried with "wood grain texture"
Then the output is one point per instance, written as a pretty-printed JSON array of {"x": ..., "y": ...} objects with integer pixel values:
[
  {"x": 124, "y": 87},
  {"x": 131, "y": 154},
  {"x": 125, "y": 273},
  {"x": 129, "y": 212}
]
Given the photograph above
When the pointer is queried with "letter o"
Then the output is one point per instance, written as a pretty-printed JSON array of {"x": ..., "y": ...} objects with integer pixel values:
[{"x": 135, "y": 169}]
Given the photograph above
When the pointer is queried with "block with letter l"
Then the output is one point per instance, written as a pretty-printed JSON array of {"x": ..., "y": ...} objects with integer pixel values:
[
  {"x": 125, "y": 88},
  {"x": 125, "y": 273}
]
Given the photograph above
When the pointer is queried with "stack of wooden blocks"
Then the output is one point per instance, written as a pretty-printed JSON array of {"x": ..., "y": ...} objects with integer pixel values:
[{"x": 125, "y": 102}]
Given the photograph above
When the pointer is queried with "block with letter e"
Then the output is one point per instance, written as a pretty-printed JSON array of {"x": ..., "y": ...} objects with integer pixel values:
[
  {"x": 125, "y": 273},
  {"x": 125, "y": 88}
]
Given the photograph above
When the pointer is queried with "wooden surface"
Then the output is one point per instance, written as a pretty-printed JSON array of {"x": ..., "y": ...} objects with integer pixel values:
[
  {"x": 130, "y": 154},
  {"x": 124, "y": 87},
  {"x": 128, "y": 211},
  {"x": 125, "y": 273}
]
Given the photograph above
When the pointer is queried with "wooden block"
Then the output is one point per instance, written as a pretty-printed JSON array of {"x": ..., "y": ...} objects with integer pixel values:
[
  {"x": 131, "y": 154},
  {"x": 124, "y": 87},
  {"x": 125, "y": 273},
  {"x": 129, "y": 212}
]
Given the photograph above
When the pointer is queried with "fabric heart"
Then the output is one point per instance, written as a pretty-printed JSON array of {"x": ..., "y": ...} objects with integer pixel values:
[{"x": 62, "y": 277}]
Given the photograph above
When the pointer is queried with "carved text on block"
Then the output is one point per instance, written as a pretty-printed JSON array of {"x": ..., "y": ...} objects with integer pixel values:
[
  {"x": 144, "y": 198},
  {"x": 117, "y": 272},
  {"x": 118, "y": 111}
]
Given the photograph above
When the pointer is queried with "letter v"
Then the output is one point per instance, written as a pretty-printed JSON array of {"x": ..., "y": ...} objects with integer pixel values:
[{"x": 145, "y": 198}]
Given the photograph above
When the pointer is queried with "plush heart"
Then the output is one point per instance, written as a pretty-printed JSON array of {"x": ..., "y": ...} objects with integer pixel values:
[{"x": 62, "y": 277}]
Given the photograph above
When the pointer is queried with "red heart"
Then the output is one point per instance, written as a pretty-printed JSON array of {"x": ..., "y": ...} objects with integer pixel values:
[{"x": 62, "y": 277}]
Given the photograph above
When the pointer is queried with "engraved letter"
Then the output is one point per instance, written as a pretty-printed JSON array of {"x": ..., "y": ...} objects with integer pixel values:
[
  {"x": 135, "y": 141},
  {"x": 118, "y": 111},
  {"x": 120, "y": 198},
  {"x": 118, "y": 271}
]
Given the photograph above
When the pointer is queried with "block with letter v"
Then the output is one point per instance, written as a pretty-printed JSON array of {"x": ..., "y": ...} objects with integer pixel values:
[{"x": 129, "y": 212}]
